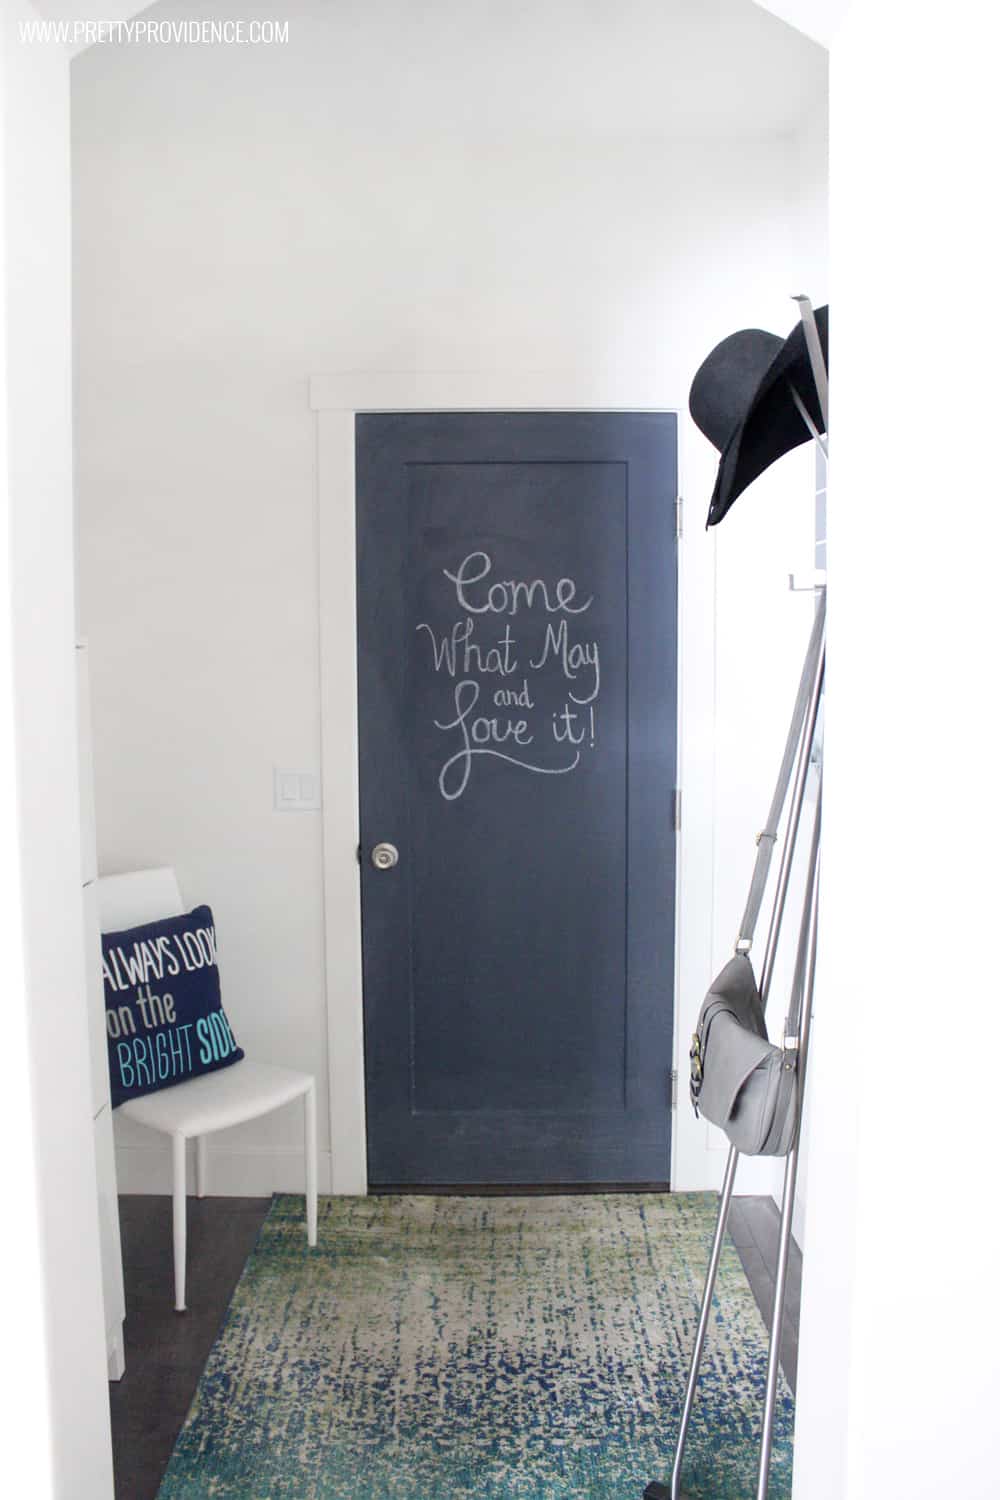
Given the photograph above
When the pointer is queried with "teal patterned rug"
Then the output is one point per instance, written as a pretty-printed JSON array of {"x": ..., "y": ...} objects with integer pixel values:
[{"x": 502, "y": 1348}]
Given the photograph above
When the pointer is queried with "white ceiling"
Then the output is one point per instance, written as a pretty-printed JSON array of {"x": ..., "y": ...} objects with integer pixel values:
[
  {"x": 83, "y": 10},
  {"x": 590, "y": 68},
  {"x": 816, "y": 18},
  {"x": 88, "y": 10}
]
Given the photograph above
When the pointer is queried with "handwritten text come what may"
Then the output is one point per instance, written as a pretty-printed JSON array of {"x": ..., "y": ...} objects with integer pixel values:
[{"x": 465, "y": 659}]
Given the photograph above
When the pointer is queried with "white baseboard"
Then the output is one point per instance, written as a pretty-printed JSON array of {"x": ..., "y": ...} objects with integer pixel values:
[{"x": 231, "y": 1174}]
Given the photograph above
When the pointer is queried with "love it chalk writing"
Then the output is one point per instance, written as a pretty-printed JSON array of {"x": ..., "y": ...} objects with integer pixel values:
[{"x": 480, "y": 663}]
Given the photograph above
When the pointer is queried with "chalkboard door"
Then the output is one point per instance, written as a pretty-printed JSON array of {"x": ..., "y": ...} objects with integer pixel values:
[{"x": 518, "y": 691}]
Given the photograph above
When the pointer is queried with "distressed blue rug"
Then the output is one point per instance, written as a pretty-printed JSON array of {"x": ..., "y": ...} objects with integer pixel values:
[{"x": 502, "y": 1348}]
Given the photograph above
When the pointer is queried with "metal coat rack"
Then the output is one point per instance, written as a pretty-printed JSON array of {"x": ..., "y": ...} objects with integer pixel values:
[{"x": 808, "y": 753}]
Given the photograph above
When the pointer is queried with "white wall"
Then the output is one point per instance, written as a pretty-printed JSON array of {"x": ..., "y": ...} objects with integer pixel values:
[
  {"x": 242, "y": 221},
  {"x": 54, "y": 1133},
  {"x": 899, "y": 1372},
  {"x": 25, "y": 1402}
]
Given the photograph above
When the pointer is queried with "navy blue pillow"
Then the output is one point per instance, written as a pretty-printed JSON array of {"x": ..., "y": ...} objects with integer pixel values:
[{"x": 163, "y": 1005}]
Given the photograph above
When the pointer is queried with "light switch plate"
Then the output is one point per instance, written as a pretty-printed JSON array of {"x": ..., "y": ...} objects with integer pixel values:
[{"x": 296, "y": 791}]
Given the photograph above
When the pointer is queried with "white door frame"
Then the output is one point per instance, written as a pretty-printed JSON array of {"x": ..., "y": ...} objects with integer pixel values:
[{"x": 337, "y": 398}]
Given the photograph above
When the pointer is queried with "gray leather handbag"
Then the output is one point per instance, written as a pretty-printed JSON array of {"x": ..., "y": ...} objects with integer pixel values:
[
  {"x": 747, "y": 1085},
  {"x": 741, "y": 1081}
]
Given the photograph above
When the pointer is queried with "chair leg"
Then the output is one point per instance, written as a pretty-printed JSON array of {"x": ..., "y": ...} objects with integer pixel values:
[
  {"x": 201, "y": 1164},
  {"x": 180, "y": 1221},
  {"x": 310, "y": 1126}
]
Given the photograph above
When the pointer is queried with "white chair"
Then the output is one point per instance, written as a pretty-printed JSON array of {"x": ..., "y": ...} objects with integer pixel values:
[{"x": 193, "y": 1110}]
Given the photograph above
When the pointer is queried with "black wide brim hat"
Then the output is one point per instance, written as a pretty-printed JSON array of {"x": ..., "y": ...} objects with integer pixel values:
[{"x": 741, "y": 398}]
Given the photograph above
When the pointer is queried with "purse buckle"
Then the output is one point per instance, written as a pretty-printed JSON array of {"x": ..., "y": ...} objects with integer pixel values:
[{"x": 697, "y": 1070}]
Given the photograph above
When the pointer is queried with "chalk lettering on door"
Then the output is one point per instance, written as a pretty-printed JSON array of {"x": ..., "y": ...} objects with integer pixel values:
[{"x": 553, "y": 655}]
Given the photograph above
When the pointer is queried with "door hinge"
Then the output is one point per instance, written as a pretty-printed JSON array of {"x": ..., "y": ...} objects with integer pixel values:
[
  {"x": 679, "y": 517},
  {"x": 677, "y": 809},
  {"x": 673, "y": 1088}
]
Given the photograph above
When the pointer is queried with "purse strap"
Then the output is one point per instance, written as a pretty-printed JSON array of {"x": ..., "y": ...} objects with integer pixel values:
[
  {"x": 806, "y": 933},
  {"x": 768, "y": 836}
]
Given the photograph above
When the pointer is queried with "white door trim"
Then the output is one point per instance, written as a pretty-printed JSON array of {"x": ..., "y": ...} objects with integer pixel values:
[{"x": 337, "y": 398}]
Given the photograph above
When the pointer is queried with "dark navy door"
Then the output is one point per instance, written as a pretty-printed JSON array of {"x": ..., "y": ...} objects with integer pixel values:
[{"x": 517, "y": 611}]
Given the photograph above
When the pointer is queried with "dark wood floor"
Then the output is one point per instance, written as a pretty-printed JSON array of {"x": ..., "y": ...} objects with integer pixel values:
[
  {"x": 166, "y": 1351},
  {"x": 753, "y": 1225}
]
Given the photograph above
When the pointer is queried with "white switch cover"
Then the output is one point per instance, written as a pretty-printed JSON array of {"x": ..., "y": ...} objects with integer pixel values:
[{"x": 296, "y": 791}]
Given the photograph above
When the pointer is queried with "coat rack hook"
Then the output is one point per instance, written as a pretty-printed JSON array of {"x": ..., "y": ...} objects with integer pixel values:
[{"x": 815, "y": 356}]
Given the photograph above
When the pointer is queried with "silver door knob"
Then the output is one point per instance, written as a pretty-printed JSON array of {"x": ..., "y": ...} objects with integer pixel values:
[{"x": 384, "y": 856}]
